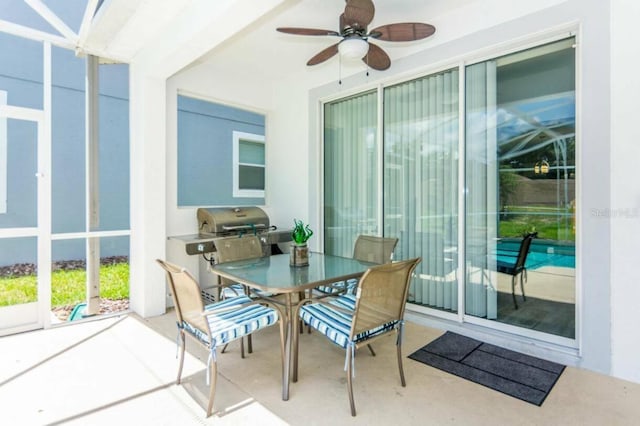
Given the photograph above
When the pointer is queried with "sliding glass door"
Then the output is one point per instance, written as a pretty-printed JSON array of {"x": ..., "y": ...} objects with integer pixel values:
[
  {"x": 521, "y": 179},
  {"x": 514, "y": 139}
]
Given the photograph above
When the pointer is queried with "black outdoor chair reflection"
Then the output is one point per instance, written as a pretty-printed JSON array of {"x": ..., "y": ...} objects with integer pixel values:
[{"x": 515, "y": 266}]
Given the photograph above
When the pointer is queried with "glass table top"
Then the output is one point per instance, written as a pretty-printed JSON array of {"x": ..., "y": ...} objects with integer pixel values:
[{"x": 275, "y": 274}]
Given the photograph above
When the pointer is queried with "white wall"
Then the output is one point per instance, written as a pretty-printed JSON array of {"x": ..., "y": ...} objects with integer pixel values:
[{"x": 625, "y": 190}]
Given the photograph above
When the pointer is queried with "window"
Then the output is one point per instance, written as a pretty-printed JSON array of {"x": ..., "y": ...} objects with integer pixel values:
[
  {"x": 248, "y": 165},
  {"x": 221, "y": 154}
]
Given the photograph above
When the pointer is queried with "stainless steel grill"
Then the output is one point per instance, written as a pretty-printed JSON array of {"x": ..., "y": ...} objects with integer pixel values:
[
  {"x": 224, "y": 222},
  {"x": 219, "y": 222}
]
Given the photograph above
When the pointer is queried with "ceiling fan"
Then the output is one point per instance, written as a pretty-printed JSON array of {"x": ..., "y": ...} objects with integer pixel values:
[{"x": 355, "y": 42}]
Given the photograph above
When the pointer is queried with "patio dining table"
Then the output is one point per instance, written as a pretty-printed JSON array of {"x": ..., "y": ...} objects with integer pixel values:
[{"x": 274, "y": 275}]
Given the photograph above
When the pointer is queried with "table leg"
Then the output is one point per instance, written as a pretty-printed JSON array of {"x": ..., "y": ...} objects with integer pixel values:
[{"x": 286, "y": 379}]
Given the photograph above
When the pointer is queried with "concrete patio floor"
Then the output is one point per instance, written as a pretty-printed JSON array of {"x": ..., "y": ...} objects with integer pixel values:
[{"x": 121, "y": 370}]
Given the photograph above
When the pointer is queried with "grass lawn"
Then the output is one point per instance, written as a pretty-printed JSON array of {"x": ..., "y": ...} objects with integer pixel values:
[
  {"x": 550, "y": 223},
  {"x": 67, "y": 287}
]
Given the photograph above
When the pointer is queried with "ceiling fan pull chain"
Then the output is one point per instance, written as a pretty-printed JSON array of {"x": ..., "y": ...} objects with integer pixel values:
[
  {"x": 339, "y": 69},
  {"x": 367, "y": 62}
]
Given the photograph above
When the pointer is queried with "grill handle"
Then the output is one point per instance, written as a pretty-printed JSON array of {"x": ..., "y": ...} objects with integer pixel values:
[{"x": 243, "y": 227}]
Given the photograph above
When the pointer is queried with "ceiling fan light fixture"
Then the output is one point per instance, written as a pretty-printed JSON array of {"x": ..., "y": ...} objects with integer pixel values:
[{"x": 353, "y": 48}]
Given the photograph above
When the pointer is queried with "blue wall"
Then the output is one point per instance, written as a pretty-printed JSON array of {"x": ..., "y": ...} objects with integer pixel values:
[
  {"x": 205, "y": 151},
  {"x": 21, "y": 76}
]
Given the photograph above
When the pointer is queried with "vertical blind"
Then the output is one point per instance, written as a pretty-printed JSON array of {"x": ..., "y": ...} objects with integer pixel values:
[
  {"x": 350, "y": 172},
  {"x": 482, "y": 184},
  {"x": 421, "y": 182}
]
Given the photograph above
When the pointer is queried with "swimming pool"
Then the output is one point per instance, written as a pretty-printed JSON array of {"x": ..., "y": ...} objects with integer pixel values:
[{"x": 542, "y": 253}]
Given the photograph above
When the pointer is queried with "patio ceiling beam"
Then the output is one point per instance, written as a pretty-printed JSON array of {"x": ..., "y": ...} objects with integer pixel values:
[
  {"x": 85, "y": 26},
  {"x": 53, "y": 19},
  {"x": 31, "y": 34}
]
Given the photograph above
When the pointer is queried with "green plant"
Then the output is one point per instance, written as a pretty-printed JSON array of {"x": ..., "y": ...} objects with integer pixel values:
[{"x": 301, "y": 232}]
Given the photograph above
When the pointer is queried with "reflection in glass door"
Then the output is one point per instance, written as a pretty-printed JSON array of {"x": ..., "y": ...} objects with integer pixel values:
[
  {"x": 23, "y": 175},
  {"x": 521, "y": 179}
]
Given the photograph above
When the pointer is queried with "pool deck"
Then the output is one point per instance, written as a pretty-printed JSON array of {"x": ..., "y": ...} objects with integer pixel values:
[{"x": 554, "y": 283}]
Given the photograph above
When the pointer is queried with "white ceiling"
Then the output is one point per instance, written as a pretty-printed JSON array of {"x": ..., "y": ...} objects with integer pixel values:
[{"x": 123, "y": 29}]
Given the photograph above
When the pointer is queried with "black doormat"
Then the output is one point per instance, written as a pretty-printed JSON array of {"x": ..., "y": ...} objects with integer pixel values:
[{"x": 521, "y": 376}]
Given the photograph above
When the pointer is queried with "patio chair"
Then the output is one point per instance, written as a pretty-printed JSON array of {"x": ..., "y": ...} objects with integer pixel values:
[
  {"x": 367, "y": 248},
  {"x": 236, "y": 248},
  {"x": 216, "y": 324},
  {"x": 246, "y": 247},
  {"x": 379, "y": 310},
  {"x": 514, "y": 265}
]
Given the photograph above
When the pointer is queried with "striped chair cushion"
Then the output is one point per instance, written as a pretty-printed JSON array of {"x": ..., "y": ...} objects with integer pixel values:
[
  {"x": 233, "y": 290},
  {"x": 237, "y": 289},
  {"x": 339, "y": 287},
  {"x": 345, "y": 301},
  {"x": 336, "y": 325},
  {"x": 233, "y": 324}
]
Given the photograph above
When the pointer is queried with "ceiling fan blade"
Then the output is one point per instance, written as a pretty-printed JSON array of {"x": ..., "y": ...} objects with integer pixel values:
[
  {"x": 359, "y": 13},
  {"x": 307, "y": 31},
  {"x": 407, "y": 31},
  {"x": 324, "y": 55},
  {"x": 377, "y": 58}
]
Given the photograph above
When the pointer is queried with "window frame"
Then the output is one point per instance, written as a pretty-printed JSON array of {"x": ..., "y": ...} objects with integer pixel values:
[
  {"x": 238, "y": 138},
  {"x": 4, "y": 176}
]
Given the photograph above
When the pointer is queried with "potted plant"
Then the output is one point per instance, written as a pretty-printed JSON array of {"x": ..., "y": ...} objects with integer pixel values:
[{"x": 299, "y": 252}]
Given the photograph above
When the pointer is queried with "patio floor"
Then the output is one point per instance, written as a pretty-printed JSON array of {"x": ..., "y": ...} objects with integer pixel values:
[{"x": 122, "y": 370}]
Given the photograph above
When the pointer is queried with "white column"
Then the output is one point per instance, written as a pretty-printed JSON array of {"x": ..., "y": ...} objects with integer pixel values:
[
  {"x": 92, "y": 191},
  {"x": 625, "y": 191},
  {"x": 147, "y": 116}
]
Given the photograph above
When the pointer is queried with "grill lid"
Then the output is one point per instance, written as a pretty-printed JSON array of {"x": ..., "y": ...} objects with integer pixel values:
[{"x": 231, "y": 220}]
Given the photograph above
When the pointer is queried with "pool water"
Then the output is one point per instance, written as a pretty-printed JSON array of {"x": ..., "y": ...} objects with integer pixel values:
[{"x": 542, "y": 253}]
